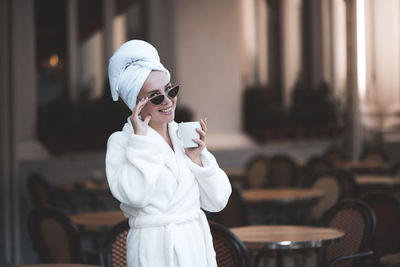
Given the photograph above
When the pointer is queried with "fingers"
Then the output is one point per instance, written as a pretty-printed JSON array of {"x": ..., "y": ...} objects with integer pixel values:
[
  {"x": 203, "y": 123},
  {"x": 147, "y": 119},
  {"x": 140, "y": 105},
  {"x": 201, "y": 144},
  {"x": 202, "y": 134},
  {"x": 203, "y": 130}
]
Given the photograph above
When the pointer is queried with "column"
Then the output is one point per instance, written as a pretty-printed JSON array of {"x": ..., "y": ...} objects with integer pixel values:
[
  {"x": 161, "y": 20},
  {"x": 108, "y": 19},
  {"x": 275, "y": 63},
  {"x": 73, "y": 49},
  {"x": 338, "y": 47},
  {"x": 291, "y": 47},
  {"x": 312, "y": 43},
  {"x": 353, "y": 137},
  {"x": 208, "y": 61},
  {"x": 261, "y": 42},
  {"x": 23, "y": 105},
  {"x": 7, "y": 141}
]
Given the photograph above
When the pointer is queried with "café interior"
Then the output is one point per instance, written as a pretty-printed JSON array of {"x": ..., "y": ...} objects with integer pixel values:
[{"x": 302, "y": 99}]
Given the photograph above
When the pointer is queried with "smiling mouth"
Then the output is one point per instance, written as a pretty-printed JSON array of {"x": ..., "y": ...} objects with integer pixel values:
[{"x": 167, "y": 110}]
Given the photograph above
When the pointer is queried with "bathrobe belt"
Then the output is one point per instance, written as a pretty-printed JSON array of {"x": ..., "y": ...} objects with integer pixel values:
[{"x": 171, "y": 221}]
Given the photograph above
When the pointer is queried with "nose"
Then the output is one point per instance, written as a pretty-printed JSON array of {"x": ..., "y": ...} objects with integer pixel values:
[{"x": 166, "y": 100}]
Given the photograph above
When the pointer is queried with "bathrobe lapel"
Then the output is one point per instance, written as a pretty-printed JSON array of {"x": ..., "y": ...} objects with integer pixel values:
[
  {"x": 174, "y": 159},
  {"x": 185, "y": 177}
]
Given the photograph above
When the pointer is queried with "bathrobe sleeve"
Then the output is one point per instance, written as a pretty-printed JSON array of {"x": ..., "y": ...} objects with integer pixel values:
[
  {"x": 214, "y": 185},
  {"x": 133, "y": 165}
]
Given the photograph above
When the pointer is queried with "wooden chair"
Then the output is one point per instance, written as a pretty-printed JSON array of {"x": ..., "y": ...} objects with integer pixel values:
[
  {"x": 357, "y": 221},
  {"x": 282, "y": 171},
  {"x": 113, "y": 250},
  {"x": 374, "y": 161},
  {"x": 316, "y": 165},
  {"x": 256, "y": 172},
  {"x": 235, "y": 213},
  {"x": 333, "y": 185},
  {"x": 374, "y": 155},
  {"x": 230, "y": 251},
  {"x": 335, "y": 155},
  {"x": 395, "y": 169},
  {"x": 56, "y": 239},
  {"x": 387, "y": 235},
  {"x": 44, "y": 195}
]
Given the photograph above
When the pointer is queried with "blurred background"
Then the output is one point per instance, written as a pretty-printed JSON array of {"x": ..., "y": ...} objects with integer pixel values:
[{"x": 289, "y": 76}]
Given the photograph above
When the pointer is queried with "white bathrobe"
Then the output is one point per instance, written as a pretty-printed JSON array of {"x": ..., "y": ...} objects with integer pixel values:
[{"x": 161, "y": 192}]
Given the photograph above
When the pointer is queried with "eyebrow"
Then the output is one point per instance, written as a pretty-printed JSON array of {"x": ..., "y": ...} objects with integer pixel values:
[{"x": 158, "y": 90}]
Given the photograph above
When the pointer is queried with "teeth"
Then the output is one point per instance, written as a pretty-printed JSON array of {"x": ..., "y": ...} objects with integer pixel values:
[{"x": 166, "y": 110}]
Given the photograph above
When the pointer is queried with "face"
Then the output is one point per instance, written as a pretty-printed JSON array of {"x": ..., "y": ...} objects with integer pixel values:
[{"x": 155, "y": 84}]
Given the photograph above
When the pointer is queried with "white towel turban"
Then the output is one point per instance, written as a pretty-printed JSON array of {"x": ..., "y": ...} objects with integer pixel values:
[{"x": 129, "y": 67}]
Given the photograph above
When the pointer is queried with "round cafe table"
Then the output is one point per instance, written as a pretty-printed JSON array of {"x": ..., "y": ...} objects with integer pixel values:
[
  {"x": 282, "y": 205},
  {"x": 286, "y": 237},
  {"x": 282, "y": 196},
  {"x": 377, "y": 181},
  {"x": 97, "y": 220}
]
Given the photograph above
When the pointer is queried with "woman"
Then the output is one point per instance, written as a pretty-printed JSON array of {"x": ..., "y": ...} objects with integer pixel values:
[{"x": 161, "y": 185}]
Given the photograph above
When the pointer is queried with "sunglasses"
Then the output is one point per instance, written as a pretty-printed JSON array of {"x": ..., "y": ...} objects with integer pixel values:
[{"x": 171, "y": 92}]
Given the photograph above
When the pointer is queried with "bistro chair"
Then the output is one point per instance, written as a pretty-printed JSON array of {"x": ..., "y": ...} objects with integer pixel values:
[
  {"x": 256, "y": 172},
  {"x": 374, "y": 155},
  {"x": 230, "y": 251},
  {"x": 357, "y": 221},
  {"x": 387, "y": 235},
  {"x": 56, "y": 239},
  {"x": 282, "y": 171},
  {"x": 391, "y": 260},
  {"x": 335, "y": 155},
  {"x": 235, "y": 213},
  {"x": 316, "y": 165},
  {"x": 113, "y": 250},
  {"x": 333, "y": 185},
  {"x": 395, "y": 169},
  {"x": 373, "y": 161},
  {"x": 45, "y": 195}
]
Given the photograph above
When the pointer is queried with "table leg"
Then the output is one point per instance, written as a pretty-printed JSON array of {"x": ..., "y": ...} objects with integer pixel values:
[
  {"x": 320, "y": 257},
  {"x": 279, "y": 258}
]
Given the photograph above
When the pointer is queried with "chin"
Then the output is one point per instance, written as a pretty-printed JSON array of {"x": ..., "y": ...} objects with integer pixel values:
[{"x": 166, "y": 118}]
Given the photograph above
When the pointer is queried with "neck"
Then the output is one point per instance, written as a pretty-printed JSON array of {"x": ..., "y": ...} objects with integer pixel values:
[{"x": 161, "y": 129}]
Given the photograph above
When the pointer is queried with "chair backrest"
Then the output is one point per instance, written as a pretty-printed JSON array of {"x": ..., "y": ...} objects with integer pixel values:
[
  {"x": 113, "y": 251},
  {"x": 335, "y": 155},
  {"x": 40, "y": 190},
  {"x": 316, "y": 165},
  {"x": 357, "y": 221},
  {"x": 43, "y": 194},
  {"x": 387, "y": 234},
  {"x": 235, "y": 213},
  {"x": 395, "y": 170},
  {"x": 55, "y": 238},
  {"x": 256, "y": 172},
  {"x": 230, "y": 251},
  {"x": 282, "y": 171},
  {"x": 374, "y": 157},
  {"x": 333, "y": 186}
]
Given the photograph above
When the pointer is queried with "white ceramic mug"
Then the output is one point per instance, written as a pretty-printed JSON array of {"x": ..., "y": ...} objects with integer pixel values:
[{"x": 187, "y": 131}]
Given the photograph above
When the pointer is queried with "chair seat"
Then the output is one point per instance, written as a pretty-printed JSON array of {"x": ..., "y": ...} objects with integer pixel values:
[{"x": 392, "y": 260}]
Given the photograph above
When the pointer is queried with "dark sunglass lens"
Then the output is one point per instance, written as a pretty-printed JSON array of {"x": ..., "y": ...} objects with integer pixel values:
[
  {"x": 157, "y": 100},
  {"x": 173, "y": 92}
]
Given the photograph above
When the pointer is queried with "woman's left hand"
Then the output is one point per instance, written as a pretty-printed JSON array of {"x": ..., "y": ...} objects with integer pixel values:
[{"x": 194, "y": 152}]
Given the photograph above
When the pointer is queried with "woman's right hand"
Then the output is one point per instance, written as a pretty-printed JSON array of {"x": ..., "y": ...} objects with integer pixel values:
[{"x": 140, "y": 125}]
